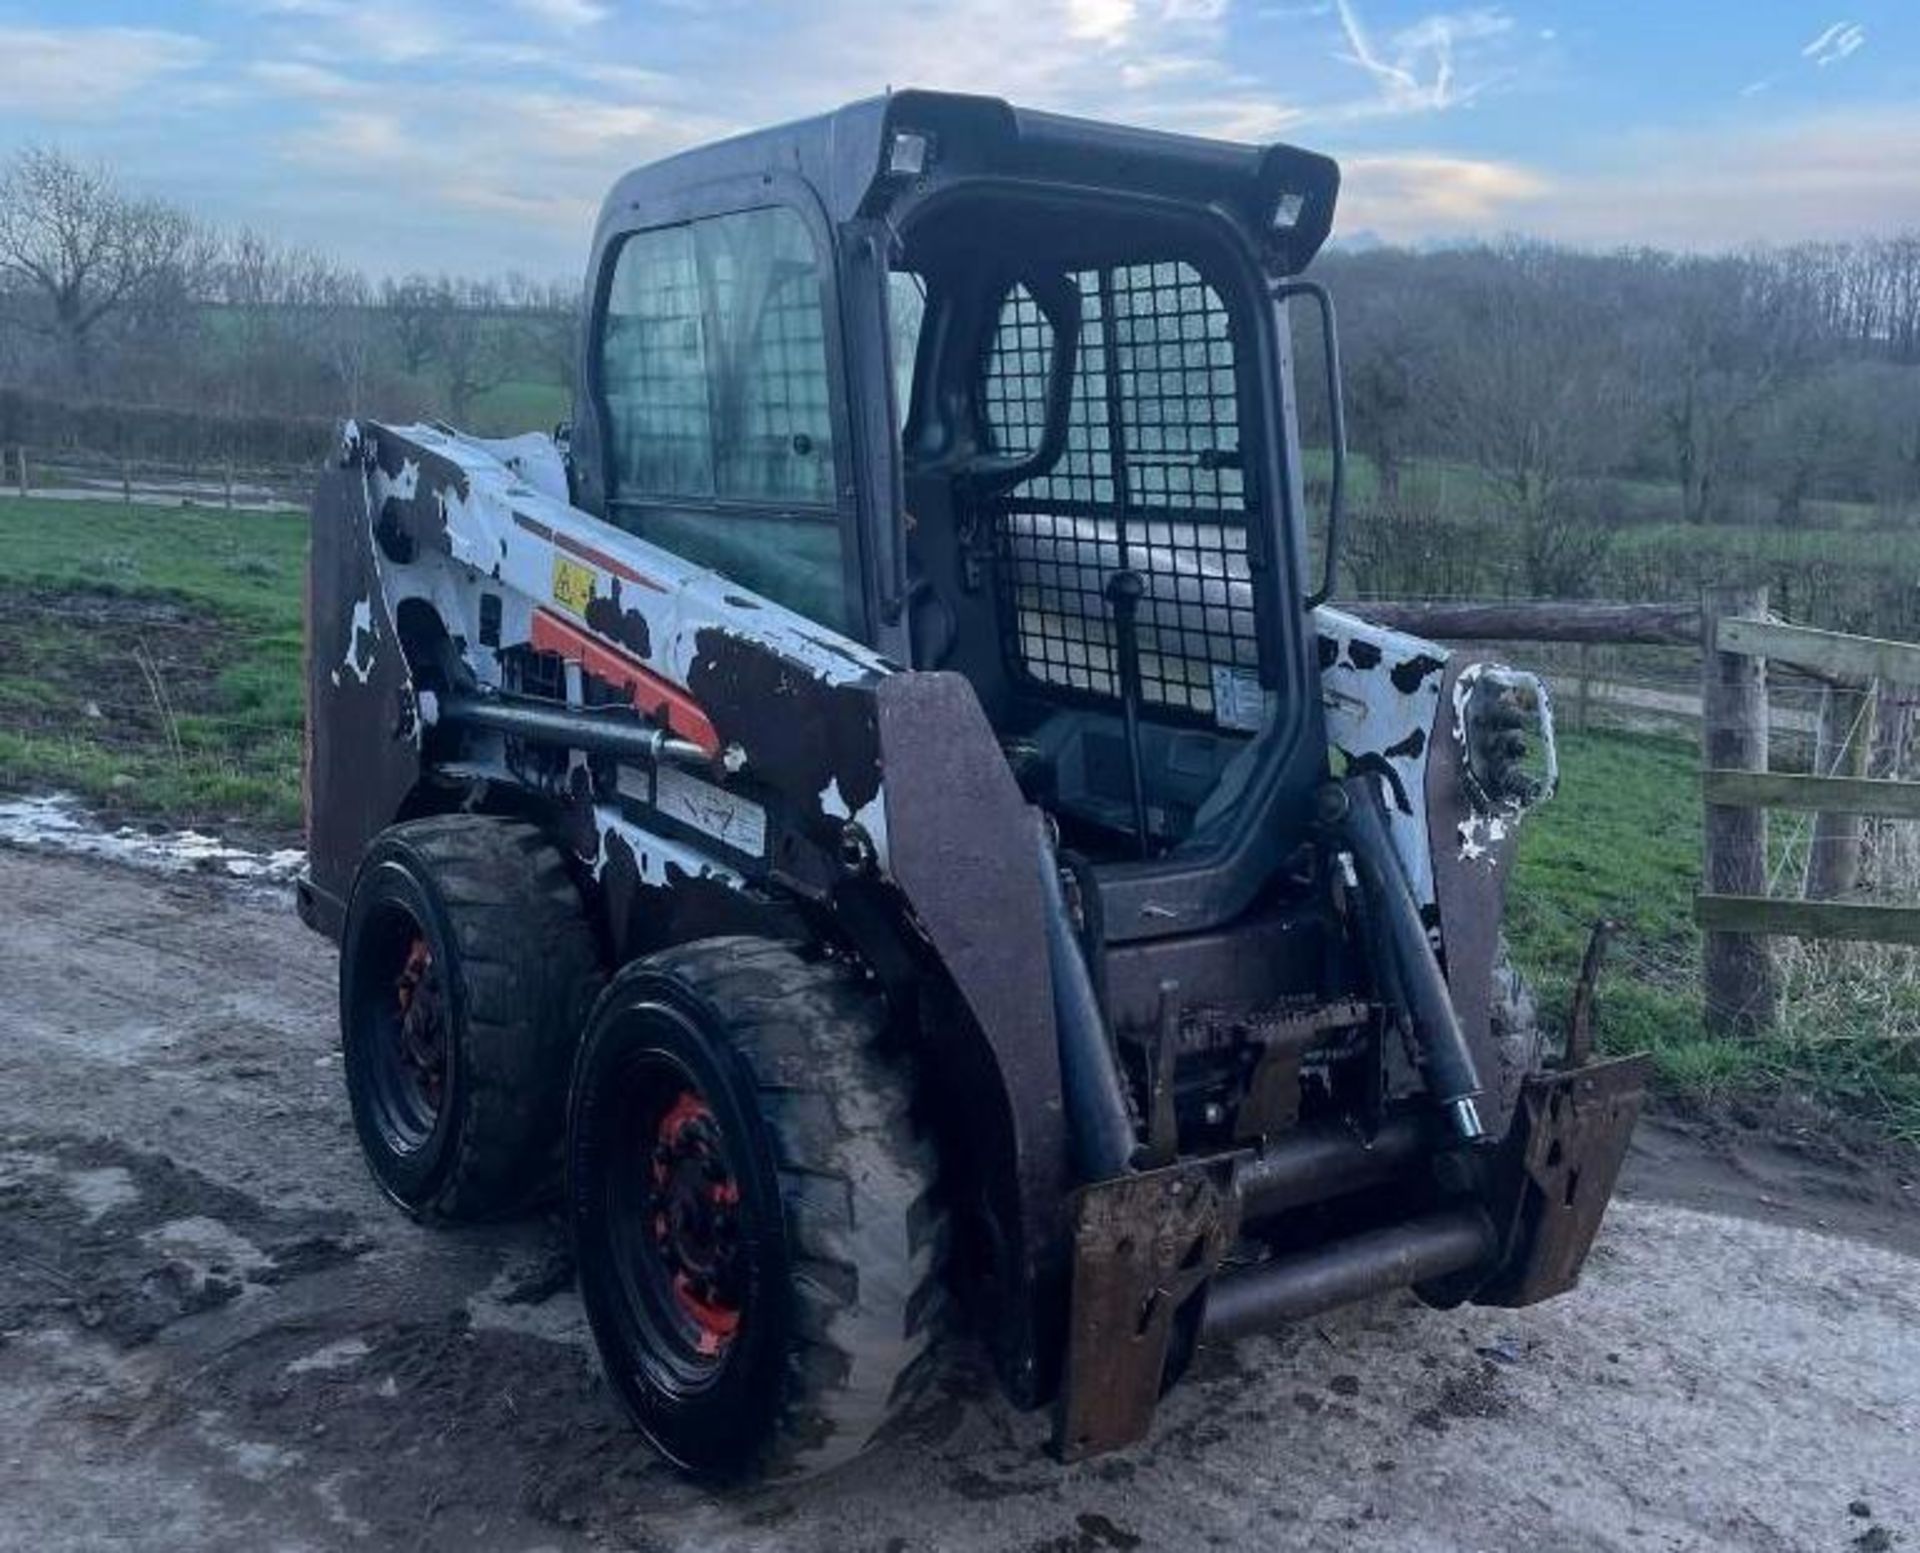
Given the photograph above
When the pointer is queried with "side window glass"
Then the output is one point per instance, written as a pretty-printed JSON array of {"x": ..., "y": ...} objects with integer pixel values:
[
  {"x": 906, "y": 312},
  {"x": 767, "y": 359},
  {"x": 713, "y": 361},
  {"x": 653, "y": 368}
]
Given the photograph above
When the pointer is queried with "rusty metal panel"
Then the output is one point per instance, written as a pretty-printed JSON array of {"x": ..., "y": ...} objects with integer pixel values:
[
  {"x": 1142, "y": 1247},
  {"x": 1249, "y": 966},
  {"x": 1575, "y": 1129}
]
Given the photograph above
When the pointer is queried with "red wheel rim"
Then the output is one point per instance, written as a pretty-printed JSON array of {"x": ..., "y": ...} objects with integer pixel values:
[{"x": 693, "y": 1203}]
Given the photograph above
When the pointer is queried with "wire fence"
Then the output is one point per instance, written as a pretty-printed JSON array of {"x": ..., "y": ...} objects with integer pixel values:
[{"x": 82, "y": 475}]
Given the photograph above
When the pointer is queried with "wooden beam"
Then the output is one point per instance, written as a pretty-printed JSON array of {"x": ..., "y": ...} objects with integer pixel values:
[
  {"x": 1826, "y": 653},
  {"x": 1826, "y": 795},
  {"x": 1538, "y": 621},
  {"x": 1853, "y": 921}
]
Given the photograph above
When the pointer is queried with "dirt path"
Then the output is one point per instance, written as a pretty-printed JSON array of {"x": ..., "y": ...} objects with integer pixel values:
[{"x": 214, "y": 1335}]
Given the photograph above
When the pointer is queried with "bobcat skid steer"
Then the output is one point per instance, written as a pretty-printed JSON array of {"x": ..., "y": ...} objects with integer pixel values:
[{"x": 882, "y": 811}]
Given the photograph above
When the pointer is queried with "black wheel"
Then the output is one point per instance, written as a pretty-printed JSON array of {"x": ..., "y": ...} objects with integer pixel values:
[
  {"x": 758, "y": 1245},
  {"x": 467, "y": 968}
]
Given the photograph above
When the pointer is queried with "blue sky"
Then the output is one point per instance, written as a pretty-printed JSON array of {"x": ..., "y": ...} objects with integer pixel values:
[{"x": 478, "y": 135}]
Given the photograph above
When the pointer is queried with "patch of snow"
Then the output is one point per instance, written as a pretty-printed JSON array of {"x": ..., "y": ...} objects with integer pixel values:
[
  {"x": 99, "y": 1192},
  {"x": 57, "y": 823},
  {"x": 208, "y": 1246},
  {"x": 336, "y": 1355}
]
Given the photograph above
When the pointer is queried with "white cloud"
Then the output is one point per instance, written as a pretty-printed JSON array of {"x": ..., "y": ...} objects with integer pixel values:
[
  {"x": 565, "y": 15},
  {"x": 1106, "y": 22},
  {"x": 1836, "y": 43},
  {"x": 1415, "y": 72},
  {"x": 1831, "y": 175},
  {"x": 340, "y": 141},
  {"x": 81, "y": 71},
  {"x": 1413, "y": 195},
  {"x": 393, "y": 32},
  {"x": 298, "y": 78}
]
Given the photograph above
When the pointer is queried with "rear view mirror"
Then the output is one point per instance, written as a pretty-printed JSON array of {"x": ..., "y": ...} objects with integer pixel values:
[{"x": 1335, "y": 429}]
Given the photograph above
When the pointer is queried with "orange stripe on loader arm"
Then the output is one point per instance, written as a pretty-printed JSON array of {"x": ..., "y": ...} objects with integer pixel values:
[{"x": 651, "y": 695}]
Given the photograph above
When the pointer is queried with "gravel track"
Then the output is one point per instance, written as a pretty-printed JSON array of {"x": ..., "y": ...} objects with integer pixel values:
[{"x": 214, "y": 1334}]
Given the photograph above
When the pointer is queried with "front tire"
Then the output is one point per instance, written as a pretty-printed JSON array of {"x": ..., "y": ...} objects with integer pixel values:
[
  {"x": 467, "y": 968},
  {"x": 758, "y": 1244}
]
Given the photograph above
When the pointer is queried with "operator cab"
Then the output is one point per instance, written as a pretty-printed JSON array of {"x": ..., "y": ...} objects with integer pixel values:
[
  {"x": 1007, "y": 395},
  {"x": 1074, "y": 451}
]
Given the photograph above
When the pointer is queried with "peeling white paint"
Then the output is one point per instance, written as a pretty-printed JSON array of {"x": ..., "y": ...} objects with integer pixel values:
[
  {"x": 871, "y": 817},
  {"x": 660, "y": 860},
  {"x": 1481, "y": 836},
  {"x": 1374, "y": 723},
  {"x": 361, "y": 624}
]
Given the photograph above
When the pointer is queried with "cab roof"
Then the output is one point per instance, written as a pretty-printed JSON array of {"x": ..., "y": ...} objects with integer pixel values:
[{"x": 881, "y": 155}]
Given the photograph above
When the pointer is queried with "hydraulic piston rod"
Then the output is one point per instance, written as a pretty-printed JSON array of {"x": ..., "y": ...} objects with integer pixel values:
[{"x": 567, "y": 728}]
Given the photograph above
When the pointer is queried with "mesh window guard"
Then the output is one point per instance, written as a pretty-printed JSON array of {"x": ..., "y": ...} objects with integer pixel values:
[{"x": 1150, "y": 478}]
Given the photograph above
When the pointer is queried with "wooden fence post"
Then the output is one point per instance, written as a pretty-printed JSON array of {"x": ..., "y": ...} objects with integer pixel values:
[
  {"x": 1581, "y": 689},
  {"x": 20, "y": 467},
  {"x": 1840, "y": 749},
  {"x": 1738, "y": 967}
]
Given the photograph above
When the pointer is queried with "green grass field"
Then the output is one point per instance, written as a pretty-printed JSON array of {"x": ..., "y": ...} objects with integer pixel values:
[
  {"x": 150, "y": 661},
  {"x": 1622, "y": 841}
]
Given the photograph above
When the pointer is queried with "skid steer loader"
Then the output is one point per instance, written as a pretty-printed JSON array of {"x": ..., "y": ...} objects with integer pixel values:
[{"x": 883, "y": 809}]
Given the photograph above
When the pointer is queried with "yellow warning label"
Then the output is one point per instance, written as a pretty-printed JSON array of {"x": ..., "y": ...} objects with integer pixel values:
[{"x": 572, "y": 585}]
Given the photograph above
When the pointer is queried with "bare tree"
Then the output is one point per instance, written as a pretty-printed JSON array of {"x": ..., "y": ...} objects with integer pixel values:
[
  {"x": 87, "y": 249},
  {"x": 478, "y": 349},
  {"x": 549, "y": 328},
  {"x": 1529, "y": 388},
  {"x": 1386, "y": 349},
  {"x": 412, "y": 308}
]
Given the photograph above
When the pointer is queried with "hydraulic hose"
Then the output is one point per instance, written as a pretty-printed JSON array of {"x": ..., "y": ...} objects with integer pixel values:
[
  {"x": 1446, "y": 1060},
  {"x": 1101, "y": 1131}
]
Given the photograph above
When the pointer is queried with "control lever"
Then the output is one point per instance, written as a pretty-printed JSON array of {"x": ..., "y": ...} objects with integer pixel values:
[{"x": 1124, "y": 591}]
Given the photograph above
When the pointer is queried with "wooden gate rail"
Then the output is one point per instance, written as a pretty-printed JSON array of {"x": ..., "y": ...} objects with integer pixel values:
[
  {"x": 1825, "y": 795},
  {"x": 1826, "y": 654},
  {"x": 1733, "y": 908}
]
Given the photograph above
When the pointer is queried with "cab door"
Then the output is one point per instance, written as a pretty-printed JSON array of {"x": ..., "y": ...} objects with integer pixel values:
[{"x": 717, "y": 389}]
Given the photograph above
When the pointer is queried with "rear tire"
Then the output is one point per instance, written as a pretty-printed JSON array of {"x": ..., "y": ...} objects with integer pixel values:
[
  {"x": 759, "y": 1248},
  {"x": 467, "y": 968}
]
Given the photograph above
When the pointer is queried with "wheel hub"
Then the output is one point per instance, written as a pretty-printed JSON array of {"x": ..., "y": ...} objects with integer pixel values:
[
  {"x": 423, "y": 1023},
  {"x": 693, "y": 1215}
]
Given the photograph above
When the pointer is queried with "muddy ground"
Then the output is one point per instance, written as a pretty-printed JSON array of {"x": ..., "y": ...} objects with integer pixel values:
[{"x": 214, "y": 1335}]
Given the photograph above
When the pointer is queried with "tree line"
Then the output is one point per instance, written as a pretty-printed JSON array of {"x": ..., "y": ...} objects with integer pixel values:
[
  {"x": 1584, "y": 391},
  {"x": 1568, "y": 392},
  {"x": 109, "y": 296}
]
